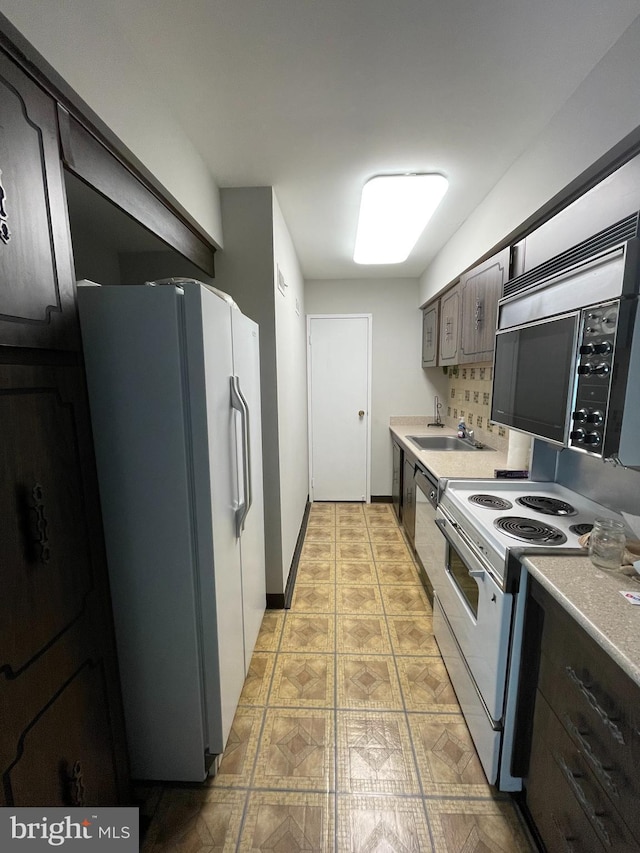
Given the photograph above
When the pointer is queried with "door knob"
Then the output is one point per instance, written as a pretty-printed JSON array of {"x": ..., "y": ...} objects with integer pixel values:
[{"x": 361, "y": 413}]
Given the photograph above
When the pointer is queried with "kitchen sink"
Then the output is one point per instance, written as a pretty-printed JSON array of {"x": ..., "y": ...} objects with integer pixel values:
[{"x": 444, "y": 442}]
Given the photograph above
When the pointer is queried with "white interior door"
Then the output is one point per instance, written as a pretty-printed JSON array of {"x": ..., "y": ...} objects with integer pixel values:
[{"x": 339, "y": 369}]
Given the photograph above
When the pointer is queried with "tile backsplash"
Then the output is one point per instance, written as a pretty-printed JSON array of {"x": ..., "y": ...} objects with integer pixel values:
[{"x": 469, "y": 399}]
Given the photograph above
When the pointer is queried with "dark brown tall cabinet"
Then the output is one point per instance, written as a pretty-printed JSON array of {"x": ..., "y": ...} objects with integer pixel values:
[{"x": 61, "y": 730}]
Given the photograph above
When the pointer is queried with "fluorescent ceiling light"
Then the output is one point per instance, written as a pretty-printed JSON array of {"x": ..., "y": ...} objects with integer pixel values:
[{"x": 393, "y": 213}]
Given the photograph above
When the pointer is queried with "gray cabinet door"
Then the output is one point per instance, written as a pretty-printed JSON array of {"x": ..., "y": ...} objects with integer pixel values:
[
  {"x": 430, "y": 335},
  {"x": 449, "y": 347},
  {"x": 480, "y": 290}
]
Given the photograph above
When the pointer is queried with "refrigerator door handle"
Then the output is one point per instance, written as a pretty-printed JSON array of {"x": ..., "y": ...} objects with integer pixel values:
[
  {"x": 247, "y": 440},
  {"x": 239, "y": 403}
]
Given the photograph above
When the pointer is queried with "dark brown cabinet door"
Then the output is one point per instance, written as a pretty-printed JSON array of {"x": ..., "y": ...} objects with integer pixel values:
[
  {"x": 37, "y": 306},
  {"x": 59, "y": 694},
  {"x": 582, "y": 785},
  {"x": 65, "y": 756},
  {"x": 44, "y": 547}
]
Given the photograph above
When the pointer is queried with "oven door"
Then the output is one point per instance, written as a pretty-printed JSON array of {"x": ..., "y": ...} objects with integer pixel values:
[
  {"x": 487, "y": 736},
  {"x": 478, "y": 612}
]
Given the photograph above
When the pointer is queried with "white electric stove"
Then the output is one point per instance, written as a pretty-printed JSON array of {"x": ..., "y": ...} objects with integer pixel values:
[
  {"x": 479, "y": 594},
  {"x": 502, "y": 515}
]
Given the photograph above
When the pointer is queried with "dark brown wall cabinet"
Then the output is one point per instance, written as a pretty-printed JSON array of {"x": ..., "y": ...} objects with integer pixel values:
[
  {"x": 62, "y": 735},
  {"x": 36, "y": 276},
  {"x": 582, "y": 786}
]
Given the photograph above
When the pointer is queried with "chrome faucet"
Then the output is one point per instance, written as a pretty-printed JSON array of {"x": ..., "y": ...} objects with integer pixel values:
[{"x": 470, "y": 438}]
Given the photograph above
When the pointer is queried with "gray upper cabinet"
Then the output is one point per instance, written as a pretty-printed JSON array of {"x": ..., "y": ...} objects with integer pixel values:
[
  {"x": 449, "y": 346},
  {"x": 430, "y": 316},
  {"x": 480, "y": 290}
]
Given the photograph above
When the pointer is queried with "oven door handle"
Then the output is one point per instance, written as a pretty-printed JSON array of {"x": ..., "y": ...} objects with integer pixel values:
[{"x": 442, "y": 525}]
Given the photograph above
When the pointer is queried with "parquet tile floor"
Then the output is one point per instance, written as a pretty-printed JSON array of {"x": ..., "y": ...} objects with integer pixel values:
[{"x": 348, "y": 736}]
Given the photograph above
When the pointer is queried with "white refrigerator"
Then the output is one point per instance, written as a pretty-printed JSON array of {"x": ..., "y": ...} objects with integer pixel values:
[{"x": 174, "y": 390}]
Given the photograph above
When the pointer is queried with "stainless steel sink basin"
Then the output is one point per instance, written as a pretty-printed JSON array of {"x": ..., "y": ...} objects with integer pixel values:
[{"x": 443, "y": 442}]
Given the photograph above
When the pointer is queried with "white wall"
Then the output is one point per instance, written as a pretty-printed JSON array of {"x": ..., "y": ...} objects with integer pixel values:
[
  {"x": 257, "y": 241},
  {"x": 70, "y": 34},
  {"x": 601, "y": 112},
  {"x": 399, "y": 384},
  {"x": 244, "y": 269},
  {"x": 291, "y": 358}
]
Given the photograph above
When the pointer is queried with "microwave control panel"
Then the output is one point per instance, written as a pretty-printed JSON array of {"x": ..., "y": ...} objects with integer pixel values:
[{"x": 594, "y": 365}]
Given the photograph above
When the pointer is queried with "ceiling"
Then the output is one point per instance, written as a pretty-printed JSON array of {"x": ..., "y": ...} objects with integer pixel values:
[{"x": 315, "y": 96}]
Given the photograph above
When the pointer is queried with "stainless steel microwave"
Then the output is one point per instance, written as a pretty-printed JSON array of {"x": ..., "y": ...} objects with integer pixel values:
[{"x": 567, "y": 357}]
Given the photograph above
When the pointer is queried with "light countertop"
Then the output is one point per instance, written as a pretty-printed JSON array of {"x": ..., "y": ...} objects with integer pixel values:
[
  {"x": 448, "y": 463},
  {"x": 592, "y": 598}
]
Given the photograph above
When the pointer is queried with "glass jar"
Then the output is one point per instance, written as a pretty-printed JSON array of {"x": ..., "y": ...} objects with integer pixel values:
[{"x": 606, "y": 544}]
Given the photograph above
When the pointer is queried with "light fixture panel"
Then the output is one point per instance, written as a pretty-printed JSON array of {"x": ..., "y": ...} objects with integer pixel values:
[{"x": 394, "y": 211}]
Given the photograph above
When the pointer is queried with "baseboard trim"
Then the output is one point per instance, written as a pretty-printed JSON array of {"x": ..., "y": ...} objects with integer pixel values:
[
  {"x": 293, "y": 571},
  {"x": 381, "y": 499},
  {"x": 275, "y": 601}
]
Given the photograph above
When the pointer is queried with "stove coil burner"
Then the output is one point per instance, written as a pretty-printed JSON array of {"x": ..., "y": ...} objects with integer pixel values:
[
  {"x": 530, "y": 530},
  {"x": 546, "y": 505},
  {"x": 490, "y": 502},
  {"x": 581, "y": 529}
]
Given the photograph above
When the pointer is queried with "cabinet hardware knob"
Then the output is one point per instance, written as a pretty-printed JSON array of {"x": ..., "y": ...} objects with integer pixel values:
[
  {"x": 607, "y": 721},
  {"x": 361, "y": 413},
  {"x": 76, "y": 785},
  {"x": 479, "y": 317},
  {"x": 39, "y": 526},
  {"x": 5, "y": 232},
  {"x": 568, "y": 839},
  {"x": 578, "y": 792},
  {"x": 602, "y": 772}
]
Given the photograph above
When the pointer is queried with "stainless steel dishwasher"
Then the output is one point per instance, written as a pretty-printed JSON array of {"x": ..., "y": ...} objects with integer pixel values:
[{"x": 429, "y": 542}]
